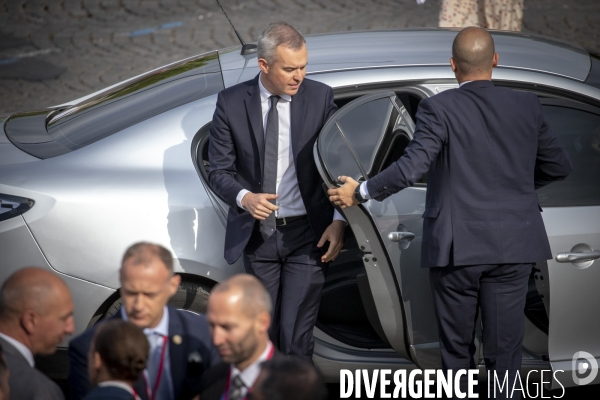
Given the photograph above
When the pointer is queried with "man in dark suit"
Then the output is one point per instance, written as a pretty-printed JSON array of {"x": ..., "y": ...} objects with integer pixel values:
[
  {"x": 117, "y": 358},
  {"x": 262, "y": 164},
  {"x": 239, "y": 314},
  {"x": 485, "y": 150},
  {"x": 180, "y": 345},
  {"x": 36, "y": 312}
]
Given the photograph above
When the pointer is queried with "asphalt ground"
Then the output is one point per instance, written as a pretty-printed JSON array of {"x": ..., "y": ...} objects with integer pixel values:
[{"x": 52, "y": 51}]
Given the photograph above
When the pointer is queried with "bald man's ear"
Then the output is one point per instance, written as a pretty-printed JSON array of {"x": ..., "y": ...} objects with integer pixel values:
[
  {"x": 29, "y": 321},
  {"x": 495, "y": 62},
  {"x": 263, "y": 319},
  {"x": 453, "y": 64}
]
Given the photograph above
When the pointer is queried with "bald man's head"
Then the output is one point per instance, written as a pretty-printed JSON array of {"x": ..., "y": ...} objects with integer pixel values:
[
  {"x": 239, "y": 316},
  {"x": 254, "y": 296},
  {"x": 473, "y": 51},
  {"x": 29, "y": 288},
  {"x": 36, "y": 309}
]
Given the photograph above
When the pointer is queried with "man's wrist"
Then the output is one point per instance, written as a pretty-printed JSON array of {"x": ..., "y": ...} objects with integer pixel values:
[
  {"x": 240, "y": 198},
  {"x": 358, "y": 195}
]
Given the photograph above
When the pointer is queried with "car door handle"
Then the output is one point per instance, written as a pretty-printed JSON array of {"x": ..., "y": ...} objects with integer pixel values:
[
  {"x": 399, "y": 236},
  {"x": 577, "y": 257}
]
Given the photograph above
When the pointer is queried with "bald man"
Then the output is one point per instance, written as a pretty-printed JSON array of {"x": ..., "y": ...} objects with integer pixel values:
[
  {"x": 485, "y": 150},
  {"x": 36, "y": 313},
  {"x": 239, "y": 316}
]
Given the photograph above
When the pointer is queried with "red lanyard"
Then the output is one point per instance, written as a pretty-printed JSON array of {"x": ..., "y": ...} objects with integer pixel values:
[
  {"x": 161, "y": 365},
  {"x": 226, "y": 394}
]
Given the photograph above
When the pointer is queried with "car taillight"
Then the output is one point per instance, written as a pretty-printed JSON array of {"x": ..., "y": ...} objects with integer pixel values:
[{"x": 11, "y": 206}]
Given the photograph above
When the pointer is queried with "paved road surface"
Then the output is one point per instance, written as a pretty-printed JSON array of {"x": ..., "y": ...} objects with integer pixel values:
[{"x": 52, "y": 51}]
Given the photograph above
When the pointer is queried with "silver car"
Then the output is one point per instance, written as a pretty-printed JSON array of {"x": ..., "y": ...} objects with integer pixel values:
[{"x": 82, "y": 181}]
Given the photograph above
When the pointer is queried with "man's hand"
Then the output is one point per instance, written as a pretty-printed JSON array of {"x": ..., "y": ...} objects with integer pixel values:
[
  {"x": 344, "y": 195},
  {"x": 258, "y": 204},
  {"x": 335, "y": 235}
]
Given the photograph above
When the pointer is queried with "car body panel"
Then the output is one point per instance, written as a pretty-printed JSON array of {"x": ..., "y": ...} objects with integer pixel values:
[{"x": 151, "y": 163}]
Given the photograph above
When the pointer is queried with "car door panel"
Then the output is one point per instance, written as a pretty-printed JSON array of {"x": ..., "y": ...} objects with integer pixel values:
[
  {"x": 357, "y": 141},
  {"x": 572, "y": 219}
]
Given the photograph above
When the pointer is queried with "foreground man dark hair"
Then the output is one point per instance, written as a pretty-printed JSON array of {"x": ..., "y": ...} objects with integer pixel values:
[
  {"x": 485, "y": 150},
  {"x": 288, "y": 379}
]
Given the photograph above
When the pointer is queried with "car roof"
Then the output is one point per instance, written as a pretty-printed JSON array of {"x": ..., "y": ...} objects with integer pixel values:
[{"x": 420, "y": 47}]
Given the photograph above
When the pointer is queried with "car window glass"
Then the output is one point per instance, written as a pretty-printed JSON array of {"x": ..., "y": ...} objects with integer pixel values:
[
  {"x": 337, "y": 156},
  {"x": 364, "y": 128},
  {"x": 579, "y": 132}
]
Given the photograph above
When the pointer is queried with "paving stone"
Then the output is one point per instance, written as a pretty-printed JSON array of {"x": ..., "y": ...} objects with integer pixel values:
[{"x": 95, "y": 44}]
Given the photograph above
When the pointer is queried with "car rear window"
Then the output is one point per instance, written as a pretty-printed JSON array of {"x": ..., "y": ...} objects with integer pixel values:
[{"x": 46, "y": 135}]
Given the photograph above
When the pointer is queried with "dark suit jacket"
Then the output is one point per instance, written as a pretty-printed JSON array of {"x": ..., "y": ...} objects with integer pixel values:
[
  {"x": 27, "y": 383},
  {"x": 485, "y": 150},
  {"x": 214, "y": 380},
  {"x": 108, "y": 393},
  {"x": 236, "y": 154},
  {"x": 188, "y": 360}
]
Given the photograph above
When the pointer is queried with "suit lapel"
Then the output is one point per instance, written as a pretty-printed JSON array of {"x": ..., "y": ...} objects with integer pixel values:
[
  {"x": 254, "y": 111},
  {"x": 298, "y": 110}
]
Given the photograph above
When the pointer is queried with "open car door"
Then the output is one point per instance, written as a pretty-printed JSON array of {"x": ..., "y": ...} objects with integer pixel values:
[{"x": 360, "y": 140}]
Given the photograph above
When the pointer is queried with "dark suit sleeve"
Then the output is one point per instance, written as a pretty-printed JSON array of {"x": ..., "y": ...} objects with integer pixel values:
[
  {"x": 430, "y": 136},
  {"x": 222, "y": 156},
  {"x": 330, "y": 106},
  {"x": 552, "y": 162},
  {"x": 79, "y": 383}
]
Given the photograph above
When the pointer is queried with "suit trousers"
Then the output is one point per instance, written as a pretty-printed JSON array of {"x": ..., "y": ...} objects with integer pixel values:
[
  {"x": 500, "y": 292},
  {"x": 289, "y": 264}
]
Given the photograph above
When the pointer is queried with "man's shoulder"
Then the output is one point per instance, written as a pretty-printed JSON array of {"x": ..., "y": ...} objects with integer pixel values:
[
  {"x": 315, "y": 86},
  {"x": 239, "y": 88},
  {"x": 83, "y": 340},
  {"x": 28, "y": 382},
  {"x": 193, "y": 323}
]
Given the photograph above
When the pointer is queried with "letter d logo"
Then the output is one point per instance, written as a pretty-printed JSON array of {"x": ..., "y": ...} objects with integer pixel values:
[{"x": 582, "y": 363}]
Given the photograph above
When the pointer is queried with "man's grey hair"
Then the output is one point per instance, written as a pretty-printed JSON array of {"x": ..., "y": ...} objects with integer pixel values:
[{"x": 277, "y": 34}]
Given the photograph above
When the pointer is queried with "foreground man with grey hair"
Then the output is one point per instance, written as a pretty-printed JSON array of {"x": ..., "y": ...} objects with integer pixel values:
[
  {"x": 36, "y": 313},
  {"x": 239, "y": 315},
  {"x": 262, "y": 164},
  {"x": 485, "y": 150}
]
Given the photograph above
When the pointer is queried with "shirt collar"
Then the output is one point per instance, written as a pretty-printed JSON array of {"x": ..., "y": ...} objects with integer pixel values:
[
  {"x": 21, "y": 348},
  {"x": 162, "y": 328},
  {"x": 250, "y": 374},
  {"x": 265, "y": 94},
  {"x": 118, "y": 384},
  {"x": 464, "y": 83}
]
